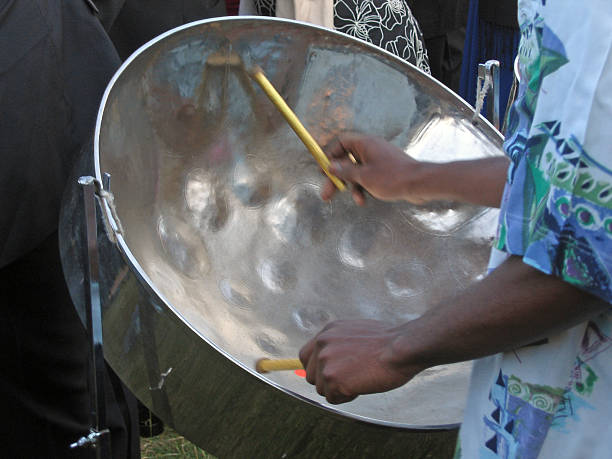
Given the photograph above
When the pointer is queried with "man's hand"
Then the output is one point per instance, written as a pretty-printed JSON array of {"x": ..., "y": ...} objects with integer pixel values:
[
  {"x": 389, "y": 174},
  {"x": 382, "y": 169},
  {"x": 350, "y": 358},
  {"x": 514, "y": 306}
]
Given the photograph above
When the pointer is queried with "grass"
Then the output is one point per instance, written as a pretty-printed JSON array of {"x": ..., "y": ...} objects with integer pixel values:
[{"x": 170, "y": 444}]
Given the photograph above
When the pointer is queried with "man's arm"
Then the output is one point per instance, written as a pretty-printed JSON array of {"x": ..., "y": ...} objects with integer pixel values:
[
  {"x": 390, "y": 174},
  {"x": 514, "y": 306}
]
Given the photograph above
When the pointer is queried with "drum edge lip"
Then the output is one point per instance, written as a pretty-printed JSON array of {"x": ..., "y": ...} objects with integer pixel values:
[{"x": 148, "y": 283}]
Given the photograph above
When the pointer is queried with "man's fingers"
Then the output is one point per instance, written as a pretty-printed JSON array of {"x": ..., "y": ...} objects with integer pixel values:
[
  {"x": 306, "y": 352},
  {"x": 343, "y": 144},
  {"x": 328, "y": 191},
  {"x": 348, "y": 171},
  {"x": 309, "y": 361},
  {"x": 358, "y": 195},
  {"x": 337, "y": 398},
  {"x": 345, "y": 169},
  {"x": 335, "y": 149}
]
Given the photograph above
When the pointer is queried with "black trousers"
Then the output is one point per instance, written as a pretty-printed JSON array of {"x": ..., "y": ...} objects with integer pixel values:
[{"x": 43, "y": 360}]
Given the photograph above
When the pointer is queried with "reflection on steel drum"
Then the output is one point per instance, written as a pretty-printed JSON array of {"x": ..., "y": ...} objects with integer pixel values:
[
  {"x": 408, "y": 279},
  {"x": 183, "y": 247},
  {"x": 251, "y": 188},
  {"x": 206, "y": 200},
  {"x": 299, "y": 218},
  {"x": 365, "y": 243},
  {"x": 278, "y": 276},
  {"x": 236, "y": 293}
]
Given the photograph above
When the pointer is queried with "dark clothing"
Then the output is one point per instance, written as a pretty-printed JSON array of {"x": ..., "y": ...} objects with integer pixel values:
[
  {"x": 138, "y": 21},
  {"x": 232, "y": 7},
  {"x": 43, "y": 387},
  {"x": 498, "y": 12},
  {"x": 443, "y": 25},
  {"x": 488, "y": 38},
  {"x": 439, "y": 17},
  {"x": 55, "y": 61}
]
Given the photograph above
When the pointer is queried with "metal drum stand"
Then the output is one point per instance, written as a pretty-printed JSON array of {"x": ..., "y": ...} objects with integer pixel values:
[
  {"x": 488, "y": 81},
  {"x": 99, "y": 435}
]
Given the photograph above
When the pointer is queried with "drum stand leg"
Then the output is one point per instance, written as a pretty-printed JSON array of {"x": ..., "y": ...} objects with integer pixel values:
[{"x": 99, "y": 435}]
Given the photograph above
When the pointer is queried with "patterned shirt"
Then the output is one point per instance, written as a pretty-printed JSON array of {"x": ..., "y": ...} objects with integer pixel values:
[
  {"x": 388, "y": 24},
  {"x": 553, "y": 400}
]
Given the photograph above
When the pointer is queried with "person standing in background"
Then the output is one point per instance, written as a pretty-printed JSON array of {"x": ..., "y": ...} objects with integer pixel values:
[
  {"x": 55, "y": 61},
  {"x": 388, "y": 25}
]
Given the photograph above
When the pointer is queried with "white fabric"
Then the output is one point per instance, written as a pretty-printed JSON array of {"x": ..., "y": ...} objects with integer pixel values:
[
  {"x": 552, "y": 399},
  {"x": 247, "y": 8}
]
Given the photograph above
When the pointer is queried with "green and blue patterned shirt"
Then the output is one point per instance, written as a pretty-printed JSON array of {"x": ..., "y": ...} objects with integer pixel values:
[{"x": 553, "y": 400}]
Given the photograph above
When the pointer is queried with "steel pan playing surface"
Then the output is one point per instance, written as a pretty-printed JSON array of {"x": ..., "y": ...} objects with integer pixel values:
[{"x": 221, "y": 209}]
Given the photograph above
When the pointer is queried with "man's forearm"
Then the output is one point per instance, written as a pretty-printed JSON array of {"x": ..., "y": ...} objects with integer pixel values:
[
  {"x": 516, "y": 305},
  {"x": 479, "y": 181}
]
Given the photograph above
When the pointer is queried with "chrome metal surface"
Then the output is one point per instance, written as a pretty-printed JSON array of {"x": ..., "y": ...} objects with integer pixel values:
[
  {"x": 490, "y": 70},
  {"x": 98, "y": 437},
  {"x": 229, "y": 255}
]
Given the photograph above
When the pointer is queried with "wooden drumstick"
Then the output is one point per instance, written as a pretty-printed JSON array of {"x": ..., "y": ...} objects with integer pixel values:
[
  {"x": 266, "y": 365},
  {"x": 310, "y": 143}
]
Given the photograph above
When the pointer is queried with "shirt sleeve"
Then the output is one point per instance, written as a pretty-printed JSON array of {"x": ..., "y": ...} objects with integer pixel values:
[{"x": 557, "y": 209}]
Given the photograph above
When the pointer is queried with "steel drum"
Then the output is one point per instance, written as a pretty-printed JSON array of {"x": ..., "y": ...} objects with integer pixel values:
[{"x": 229, "y": 255}]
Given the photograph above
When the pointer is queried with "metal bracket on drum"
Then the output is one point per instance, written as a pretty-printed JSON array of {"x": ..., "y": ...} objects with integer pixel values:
[
  {"x": 488, "y": 80},
  {"x": 99, "y": 435},
  {"x": 112, "y": 224}
]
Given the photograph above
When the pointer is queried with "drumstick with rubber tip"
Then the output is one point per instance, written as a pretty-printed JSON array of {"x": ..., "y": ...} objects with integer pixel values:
[{"x": 266, "y": 365}]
